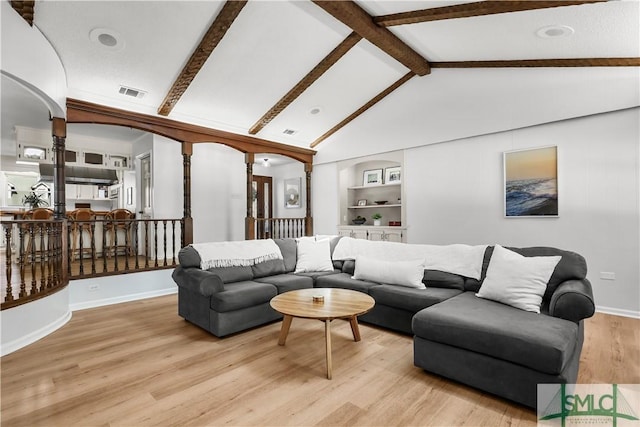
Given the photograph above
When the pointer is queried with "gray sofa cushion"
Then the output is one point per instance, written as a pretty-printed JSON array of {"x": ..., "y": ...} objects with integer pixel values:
[
  {"x": 189, "y": 257},
  {"x": 268, "y": 268},
  {"x": 288, "y": 282},
  {"x": 240, "y": 295},
  {"x": 289, "y": 251},
  {"x": 315, "y": 274},
  {"x": 199, "y": 281},
  {"x": 344, "y": 281},
  {"x": 410, "y": 299},
  {"x": 233, "y": 274},
  {"x": 571, "y": 266},
  {"x": 441, "y": 279},
  {"x": 537, "y": 341},
  {"x": 349, "y": 267}
]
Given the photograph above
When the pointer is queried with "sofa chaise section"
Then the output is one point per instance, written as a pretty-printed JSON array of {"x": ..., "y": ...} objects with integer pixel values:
[{"x": 505, "y": 350}]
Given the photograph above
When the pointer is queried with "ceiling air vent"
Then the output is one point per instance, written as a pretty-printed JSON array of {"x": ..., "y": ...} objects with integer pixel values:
[
  {"x": 129, "y": 91},
  {"x": 289, "y": 132}
]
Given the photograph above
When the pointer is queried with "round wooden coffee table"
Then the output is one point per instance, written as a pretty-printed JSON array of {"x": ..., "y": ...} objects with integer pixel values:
[{"x": 336, "y": 304}]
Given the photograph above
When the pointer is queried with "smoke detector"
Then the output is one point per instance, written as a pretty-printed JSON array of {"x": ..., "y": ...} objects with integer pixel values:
[{"x": 289, "y": 132}]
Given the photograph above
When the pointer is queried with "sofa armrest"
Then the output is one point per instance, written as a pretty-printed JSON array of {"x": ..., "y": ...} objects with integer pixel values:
[
  {"x": 572, "y": 300},
  {"x": 199, "y": 281}
]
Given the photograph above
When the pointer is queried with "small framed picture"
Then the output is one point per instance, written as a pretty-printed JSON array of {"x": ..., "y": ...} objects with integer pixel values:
[
  {"x": 292, "y": 193},
  {"x": 362, "y": 202},
  {"x": 392, "y": 175},
  {"x": 372, "y": 177}
]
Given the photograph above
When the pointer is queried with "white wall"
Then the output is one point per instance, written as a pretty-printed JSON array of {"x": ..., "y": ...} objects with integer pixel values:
[
  {"x": 218, "y": 193},
  {"x": 324, "y": 199},
  {"x": 280, "y": 174},
  {"x": 454, "y": 194},
  {"x": 27, "y": 323},
  {"x": 168, "y": 184},
  {"x": 27, "y": 57},
  {"x": 100, "y": 291}
]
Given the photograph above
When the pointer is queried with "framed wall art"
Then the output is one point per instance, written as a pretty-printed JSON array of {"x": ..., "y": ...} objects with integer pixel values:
[
  {"x": 531, "y": 182},
  {"x": 392, "y": 175},
  {"x": 292, "y": 193},
  {"x": 372, "y": 177}
]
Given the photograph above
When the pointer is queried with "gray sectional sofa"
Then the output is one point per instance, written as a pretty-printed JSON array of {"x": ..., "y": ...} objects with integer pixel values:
[{"x": 486, "y": 344}]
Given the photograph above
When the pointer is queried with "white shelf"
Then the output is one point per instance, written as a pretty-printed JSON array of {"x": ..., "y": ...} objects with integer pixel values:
[
  {"x": 362, "y": 187},
  {"x": 375, "y": 206}
]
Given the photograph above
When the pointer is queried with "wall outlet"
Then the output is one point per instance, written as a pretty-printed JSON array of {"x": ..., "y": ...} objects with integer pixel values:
[
  {"x": 607, "y": 275},
  {"x": 94, "y": 287}
]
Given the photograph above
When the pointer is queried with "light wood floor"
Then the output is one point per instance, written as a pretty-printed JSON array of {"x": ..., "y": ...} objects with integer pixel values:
[{"x": 139, "y": 363}]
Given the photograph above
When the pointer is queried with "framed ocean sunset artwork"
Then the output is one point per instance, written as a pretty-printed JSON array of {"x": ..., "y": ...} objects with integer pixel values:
[{"x": 531, "y": 182}]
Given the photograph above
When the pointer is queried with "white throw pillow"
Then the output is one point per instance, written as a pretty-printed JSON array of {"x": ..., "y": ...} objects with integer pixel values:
[
  {"x": 403, "y": 273},
  {"x": 517, "y": 280},
  {"x": 313, "y": 256}
]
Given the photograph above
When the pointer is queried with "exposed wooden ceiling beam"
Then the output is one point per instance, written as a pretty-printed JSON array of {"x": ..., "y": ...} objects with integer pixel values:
[
  {"x": 25, "y": 9},
  {"x": 313, "y": 75},
  {"x": 471, "y": 9},
  {"x": 86, "y": 112},
  {"x": 212, "y": 37},
  {"x": 356, "y": 18},
  {"x": 571, "y": 62},
  {"x": 364, "y": 108}
]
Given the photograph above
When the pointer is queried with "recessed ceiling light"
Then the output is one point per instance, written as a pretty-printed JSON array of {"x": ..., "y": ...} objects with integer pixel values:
[
  {"x": 315, "y": 111},
  {"x": 555, "y": 31},
  {"x": 107, "y": 38}
]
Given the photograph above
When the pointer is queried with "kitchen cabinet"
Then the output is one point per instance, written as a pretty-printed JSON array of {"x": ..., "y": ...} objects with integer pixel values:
[
  {"x": 85, "y": 192},
  {"x": 374, "y": 233}
]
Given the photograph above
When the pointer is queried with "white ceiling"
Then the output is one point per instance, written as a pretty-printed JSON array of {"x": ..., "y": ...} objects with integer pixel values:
[{"x": 273, "y": 44}]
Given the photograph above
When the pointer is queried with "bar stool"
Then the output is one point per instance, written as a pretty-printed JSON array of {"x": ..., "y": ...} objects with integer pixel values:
[
  {"x": 115, "y": 220},
  {"x": 82, "y": 219},
  {"x": 35, "y": 214}
]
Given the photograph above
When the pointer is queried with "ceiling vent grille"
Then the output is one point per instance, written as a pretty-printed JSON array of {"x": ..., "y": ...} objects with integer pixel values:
[
  {"x": 289, "y": 132},
  {"x": 129, "y": 91}
]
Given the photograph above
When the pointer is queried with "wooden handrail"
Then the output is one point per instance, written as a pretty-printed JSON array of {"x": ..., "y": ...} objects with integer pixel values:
[
  {"x": 41, "y": 256},
  {"x": 35, "y": 247}
]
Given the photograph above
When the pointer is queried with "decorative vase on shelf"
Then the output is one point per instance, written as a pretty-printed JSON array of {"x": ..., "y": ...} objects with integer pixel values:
[
  {"x": 376, "y": 222},
  {"x": 376, "y": 219}
]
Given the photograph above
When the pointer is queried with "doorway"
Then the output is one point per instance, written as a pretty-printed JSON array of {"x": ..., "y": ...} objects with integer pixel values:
[{"x": 262, "y": 205}]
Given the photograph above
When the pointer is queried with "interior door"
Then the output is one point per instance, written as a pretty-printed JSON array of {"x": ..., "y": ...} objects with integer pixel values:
[{"x": 263, "y": 205}]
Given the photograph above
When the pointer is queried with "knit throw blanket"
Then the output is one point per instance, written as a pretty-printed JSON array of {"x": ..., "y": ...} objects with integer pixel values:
[
  {"x": 236, "y": 254},
  {"x": 463, "y": 260}
]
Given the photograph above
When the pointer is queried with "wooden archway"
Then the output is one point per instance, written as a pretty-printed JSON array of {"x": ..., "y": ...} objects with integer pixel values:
[{"x": 189, "y": 134}]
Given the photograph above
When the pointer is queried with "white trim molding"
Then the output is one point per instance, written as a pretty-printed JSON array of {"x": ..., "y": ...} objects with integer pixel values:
[{"x": 618, "y": 312}]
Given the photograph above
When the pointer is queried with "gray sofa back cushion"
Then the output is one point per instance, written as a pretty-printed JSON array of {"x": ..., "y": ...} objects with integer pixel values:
[
  {"x": 349, "y": 266},
  {"x": 189, "y": 257},
  {"x": 571, "y": 266},
  {"x": 289, "y": 251},
  {"x": 268, "y": 268},
  {"x": 441, "y": 279},
  {"x": 233, "y": 274}
]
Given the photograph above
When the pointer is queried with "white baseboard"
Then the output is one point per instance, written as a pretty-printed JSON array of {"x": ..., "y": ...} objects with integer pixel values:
[
  {"x": 34, "y": 336},
  {"x": 123, "y": 298},
  {"x": 618, "y": 312}
]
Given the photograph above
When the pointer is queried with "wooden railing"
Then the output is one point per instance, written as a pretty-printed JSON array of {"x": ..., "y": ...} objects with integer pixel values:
[
  {"x": 104, "y": 247},
  {"x": 280, "y": 228},
  {"x": 33, "y": 261},
  {"x": 42, "y": 256}
]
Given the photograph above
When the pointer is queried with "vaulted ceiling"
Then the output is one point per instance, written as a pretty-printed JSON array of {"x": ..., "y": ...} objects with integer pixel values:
[{"x": 347, "y": 78}]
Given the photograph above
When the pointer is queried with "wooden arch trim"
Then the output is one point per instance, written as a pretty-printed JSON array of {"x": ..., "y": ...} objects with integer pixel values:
[{"x": 87, "y": 112}]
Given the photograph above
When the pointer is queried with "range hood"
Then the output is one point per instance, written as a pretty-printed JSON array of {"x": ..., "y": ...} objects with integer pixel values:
[{"x": 80, "y": 175}]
